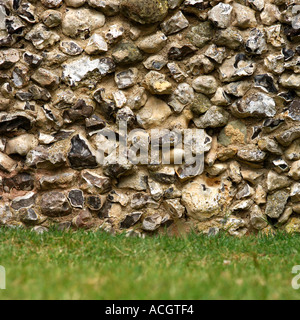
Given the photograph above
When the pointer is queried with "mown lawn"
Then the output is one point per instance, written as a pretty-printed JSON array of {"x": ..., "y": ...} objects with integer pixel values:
[{"x": 98, "y": 266}]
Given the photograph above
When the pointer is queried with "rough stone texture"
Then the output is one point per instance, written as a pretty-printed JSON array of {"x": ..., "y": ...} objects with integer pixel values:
[{"x": 72, "y": 71}]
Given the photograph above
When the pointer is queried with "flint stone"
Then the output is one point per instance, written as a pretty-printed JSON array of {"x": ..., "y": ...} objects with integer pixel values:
[
  {"x": 130, "y": 220},
  {"x": 276, "y": 204},
  {"x": 288, "y": 136},
  {"x": 93, "y": 183},
  {"x": 96, "y": 45},
  {"x": 221, "y": 15},
  {"x": 154, "y": 113},
  {"x": 41, "y": 37},
  {"x": 202, "y": 201},
  {"x": 24, "y": 202},
  {"x": 175, "y": 24},
  {"x": 52, "y": 18},
  {"x": 152, "y": 43},
  {"x": 126, "y": 52},
  {"x": 295, "y": 171},
  {"x": 215, "y": 117},
  {"x": 21, "y": 145},
  {"x": 251, "y": 153},
  {"x": 201, "y": 34},
  {"x": 108, "y": 7},
  {"x": 145, "y": 11},
  {"x": 55, "y": 204},
  {"x": 76, "y": 71},
  {"x": 71, "y": 48},
  {"x": 276, "y": 181},
  {"x": 80, "y": 155},
  {"x": 152, "y": 222},
  {"x": 81, "y": 22},
  {"x": 76, "y": 198},
  {"x": 127, "y": 78},
  {"x": 61, "y": 181},
  {"x": 236, "y": 68},
  {"x": 258, "y": 105},
  {"x": 8, "y": 58}
]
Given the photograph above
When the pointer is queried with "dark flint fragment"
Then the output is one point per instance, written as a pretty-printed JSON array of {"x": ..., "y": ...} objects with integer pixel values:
[
  {"x": 80, "y": 156},
  {"x": 288, "y": 54},
  {"x": 131, "y": 220},
  {"x": 179, "y": 53},
  {"x": 76, "y": 198},
  {"x": 94, "y": 203},
  {"x": 288, "y": 96},
  {"x": 265, "y": 81},
  {"x": 294, "y": 110},
  {"x": 80, "y": 111},
  {"x": 14, "y": 123},
  {"x": 94, "y": 123},
  {"x": 272, "y": 124},
  {"x": 256, "y": 132}
]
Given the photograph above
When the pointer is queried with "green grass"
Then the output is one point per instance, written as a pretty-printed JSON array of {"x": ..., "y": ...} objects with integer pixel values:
[{"x": 98, "y": 266}]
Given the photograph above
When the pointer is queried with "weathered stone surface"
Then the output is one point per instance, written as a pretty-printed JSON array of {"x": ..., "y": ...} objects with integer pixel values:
[
  {"x": 288, "y": 136},
  {"x": 202, "y": 201},
  {"x": 52, "y": 18},
  {"x": 201, "y": 34},
  {"x": 257, "y": 105},
  {"x": 257, "y": 218},
  {"x": 72, "y": 72},
  {"x": 276, "y": 204},
  {"x": 276, "y": 181},
  {"x": 108, "y": 7},
  {"x": 153, "y": 113},
  {"x": 229, "y": 37},
  {"x": 8, "y": 58},
  {"x": 156, "y": 83},
  {"x": 234, "y": 133},
  {"x": 236, "y": 68},
  {"x": 145, "y": 11},
  {"x": 127, "y": 78},
  {"x": 215, "y": 117},
  {"x": 22, "y": 144},
  {"x": 59, "y": 181},
  {"x": 81, "y": 22},
  {"x": 55, "y": 204},
  {"x": 295, "y": 170},
  {"x": 96, "y": 45},
  {"x": 182, "y": 97},
  {"x": 152, "y": 43},
  {"x": 221, "y": 15},
  {"x": 94, "y": 183},
  {"x": 175, "y": 24},
  {"x": 79, "y": 70},
  {"x": 41, "y": 37},
  {"x": 126, "y": 53},
  {"x": 251, "y": 153},
  {"x": 205, "y": 84},
  {"x": 71, "y": 48}
]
